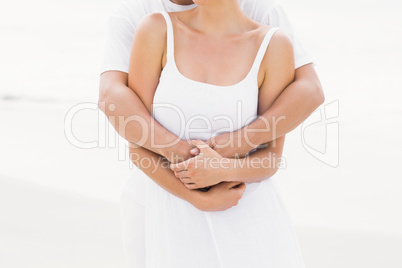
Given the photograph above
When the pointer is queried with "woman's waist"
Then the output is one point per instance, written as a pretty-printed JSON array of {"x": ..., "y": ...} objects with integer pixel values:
[{"x": 200, "y": 126}]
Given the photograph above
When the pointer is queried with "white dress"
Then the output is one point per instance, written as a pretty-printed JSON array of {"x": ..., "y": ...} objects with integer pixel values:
[{"x": 255, "y": 233}]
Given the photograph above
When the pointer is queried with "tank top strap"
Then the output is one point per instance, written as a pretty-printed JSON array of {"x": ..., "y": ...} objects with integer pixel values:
[
  {"x": 261, "y": 52},
  {"x": 169, "y": 33}
]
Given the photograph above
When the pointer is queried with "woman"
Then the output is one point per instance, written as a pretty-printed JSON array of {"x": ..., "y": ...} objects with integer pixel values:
[{"x": 239, "y": 69}]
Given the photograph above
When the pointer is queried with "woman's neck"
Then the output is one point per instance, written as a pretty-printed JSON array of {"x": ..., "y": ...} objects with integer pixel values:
[{"x": 223, "y": 17}]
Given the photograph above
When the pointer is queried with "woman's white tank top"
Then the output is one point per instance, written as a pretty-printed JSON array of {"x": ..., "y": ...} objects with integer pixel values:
[{"x": 197, "y": 110}]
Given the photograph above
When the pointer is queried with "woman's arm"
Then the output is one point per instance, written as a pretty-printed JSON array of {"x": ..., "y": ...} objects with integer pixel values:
[
  {"x": 209, "y": 168},
  {"x": 147, "y": 57},
  {"x": 149, "y": 53},
  {"x": 123, "y": 107}
]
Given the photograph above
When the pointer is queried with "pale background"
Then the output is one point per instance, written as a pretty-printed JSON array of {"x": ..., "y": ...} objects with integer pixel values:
[{"x": 59, "y": 203}]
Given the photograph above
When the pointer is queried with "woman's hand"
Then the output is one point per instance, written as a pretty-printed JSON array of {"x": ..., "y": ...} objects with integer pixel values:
[
  {"x": 206, "y": 169},
  {"x": 220, "y": 197}
]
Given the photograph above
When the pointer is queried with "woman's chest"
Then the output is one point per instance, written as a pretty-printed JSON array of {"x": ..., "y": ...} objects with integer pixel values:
[{"x": 219, "y": 62}]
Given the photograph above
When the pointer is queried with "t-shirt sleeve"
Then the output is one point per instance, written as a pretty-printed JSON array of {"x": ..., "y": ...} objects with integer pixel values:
[
  {"x": 118, "y": 44},
  {"x": 277, "y": 17}
]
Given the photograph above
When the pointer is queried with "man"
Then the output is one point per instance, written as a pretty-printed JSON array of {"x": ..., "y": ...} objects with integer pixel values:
[{"x": 133, "y": 121}]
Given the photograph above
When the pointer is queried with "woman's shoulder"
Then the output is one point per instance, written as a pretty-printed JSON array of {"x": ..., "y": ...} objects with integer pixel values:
[
  {"x": 153, "y": 22},
  {"x": 281, "y": 41},
  {"x": 279, "y": 50},
  {"x": 279, "y": 38},
  {"x": 151, "y": 32}
]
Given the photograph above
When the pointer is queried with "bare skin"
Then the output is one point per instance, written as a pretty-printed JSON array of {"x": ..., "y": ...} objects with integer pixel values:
[
  {"x": 220, "y": 197},
  {"x": 213, "y": 65},
  {"x": 304, "y": 93}
]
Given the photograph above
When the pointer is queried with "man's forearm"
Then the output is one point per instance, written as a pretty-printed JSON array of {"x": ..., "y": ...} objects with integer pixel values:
[
  {"x": 129, "y": 116},
  {"x": 220, "y": 197},
  {"x": 158, "y": 170},
  {"x": 290, "y": 109},
  {"x": 258, "y": 166}
]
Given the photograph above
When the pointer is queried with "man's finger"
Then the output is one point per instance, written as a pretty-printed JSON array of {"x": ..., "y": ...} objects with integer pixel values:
[
  {"x": 211, "y": 142},
  {"x": 236, "y": 185},
  {"x": 240, "y": 188},
  {"x": 202, "y": 146}
]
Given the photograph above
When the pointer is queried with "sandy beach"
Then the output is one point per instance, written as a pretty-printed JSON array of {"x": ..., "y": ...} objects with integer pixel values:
[{"x": 59, "y": 201}]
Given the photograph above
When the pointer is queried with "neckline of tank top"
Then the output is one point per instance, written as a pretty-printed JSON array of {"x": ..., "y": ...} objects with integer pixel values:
[{"x": 173, "y": 62}]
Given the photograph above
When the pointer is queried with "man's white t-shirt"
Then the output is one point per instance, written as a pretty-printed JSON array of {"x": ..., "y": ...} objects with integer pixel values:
[{"x": 123, "y": 22}]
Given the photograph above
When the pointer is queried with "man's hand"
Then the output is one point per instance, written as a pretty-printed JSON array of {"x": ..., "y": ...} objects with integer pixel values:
[
  {"x": 233, "y": 144},
  {"x": 220, "y": 197},
  {"x": 206, "y": 169}
]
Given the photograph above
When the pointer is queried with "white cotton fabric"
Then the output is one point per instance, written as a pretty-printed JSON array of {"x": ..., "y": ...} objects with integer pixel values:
[
  {"x": 123, "y": 22},
  {"x": 257, "y": 232}
]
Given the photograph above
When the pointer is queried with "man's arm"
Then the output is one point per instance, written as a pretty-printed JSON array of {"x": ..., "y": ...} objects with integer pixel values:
[
  {"x": 289, "y": 110},
  {"x": 129, "y": 116},
  {"x": 295, "y": 104},
  {"x": 220, "y": 197}
]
